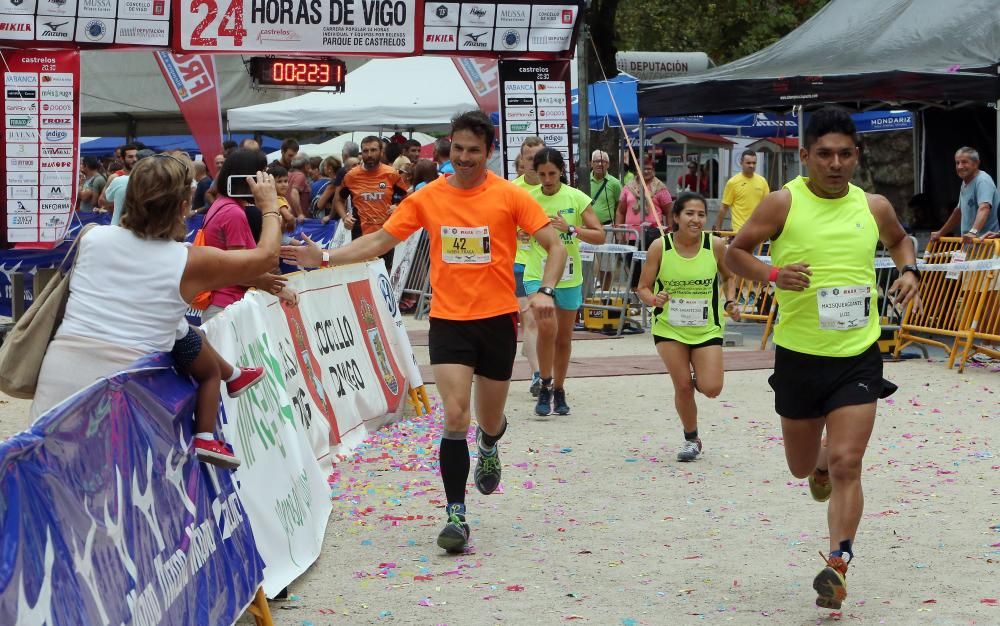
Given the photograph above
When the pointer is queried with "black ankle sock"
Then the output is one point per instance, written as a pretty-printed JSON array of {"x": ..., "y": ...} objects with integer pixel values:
[
  {"x": 847, "y": 547},
  {"x": 454, "y": 456},
  {"x": 489, "y": 440},
  {"x": 691, "y": 436},
  {"x": 547, "y": 382}
]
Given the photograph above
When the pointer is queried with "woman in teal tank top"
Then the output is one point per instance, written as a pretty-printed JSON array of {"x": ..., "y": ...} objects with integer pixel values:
[
  {"x": 571, "y": 214},
  {"x": 680, "y": 279}
]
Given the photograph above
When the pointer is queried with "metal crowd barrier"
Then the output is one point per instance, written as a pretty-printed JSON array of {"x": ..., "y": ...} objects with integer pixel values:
[
  {"x": 959, "y": 292},
  {"x": 418, "y": 283},
  {"x": 610, "y": 273}
]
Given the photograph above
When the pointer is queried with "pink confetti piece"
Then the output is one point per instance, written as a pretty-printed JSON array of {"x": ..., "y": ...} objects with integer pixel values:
[
  {"x": 990, "y": 601},
  {"x": 529, "y": 484},
  {"x": 426, "y": 602},
  {"x": 515, "y": 588}
]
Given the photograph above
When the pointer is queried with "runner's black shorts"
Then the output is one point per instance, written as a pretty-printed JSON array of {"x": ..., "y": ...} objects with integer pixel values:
[
  {"x": 808, "y": 386},
  {"x": 489, "y": 345}
]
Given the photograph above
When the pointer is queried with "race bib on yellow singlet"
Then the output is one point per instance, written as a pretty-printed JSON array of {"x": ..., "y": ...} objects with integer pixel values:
[
  {"x": 465, "y": 245},
  {"x": 843, "y": 308},
  {"x": 567, "y": 269},
  {"x": 687, "y": 311}
]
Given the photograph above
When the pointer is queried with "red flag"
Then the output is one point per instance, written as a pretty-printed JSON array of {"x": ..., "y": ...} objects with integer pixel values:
[
  {"x": 191, "y": 78},
  {"x": 483, "y": 80}
]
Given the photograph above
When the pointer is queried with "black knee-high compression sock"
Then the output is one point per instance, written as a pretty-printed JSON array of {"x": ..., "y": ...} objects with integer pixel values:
[
  {"x": 454, "y": 457},
  {"x": 490, "y": 441}
]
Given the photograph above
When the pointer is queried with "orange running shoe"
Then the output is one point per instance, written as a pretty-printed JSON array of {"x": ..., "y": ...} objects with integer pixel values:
[{"x": 831, "y": 583}]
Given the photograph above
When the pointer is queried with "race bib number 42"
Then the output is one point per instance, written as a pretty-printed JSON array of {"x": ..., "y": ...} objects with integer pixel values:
[
  {"x": 465, "y": 245},
  {"x": 843, "y": 308}
]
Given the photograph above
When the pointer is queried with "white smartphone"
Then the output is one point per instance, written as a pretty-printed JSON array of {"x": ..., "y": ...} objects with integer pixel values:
[{"x": 238, "y": 187}]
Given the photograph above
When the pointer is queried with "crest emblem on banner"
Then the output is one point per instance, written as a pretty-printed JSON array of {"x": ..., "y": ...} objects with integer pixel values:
[{"x": 378, "y": 346}]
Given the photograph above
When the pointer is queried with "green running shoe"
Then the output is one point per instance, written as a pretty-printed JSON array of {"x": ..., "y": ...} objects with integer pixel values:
[{"x": 455, "y": 535}]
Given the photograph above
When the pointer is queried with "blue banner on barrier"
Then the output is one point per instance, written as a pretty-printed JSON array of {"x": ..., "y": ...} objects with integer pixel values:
[
  {"x": 29, "y": 261},
  {"x": 108, "y": 518}
]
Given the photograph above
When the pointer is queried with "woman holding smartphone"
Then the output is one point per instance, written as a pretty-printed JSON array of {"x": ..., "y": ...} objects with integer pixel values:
[{"x": 234, "y": 223}]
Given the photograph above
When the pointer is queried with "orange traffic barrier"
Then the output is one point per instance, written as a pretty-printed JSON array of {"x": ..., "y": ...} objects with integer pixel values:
[{"x": 957, "y": 307}]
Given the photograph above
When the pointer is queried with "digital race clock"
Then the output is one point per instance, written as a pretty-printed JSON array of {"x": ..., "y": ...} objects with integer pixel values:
[{"x": 298, "y": 72}]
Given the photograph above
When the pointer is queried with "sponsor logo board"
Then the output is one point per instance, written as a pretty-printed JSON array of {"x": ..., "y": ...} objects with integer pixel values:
[
  {"x": 14, "y": 107},
  {"x": 555, "y": 139},
  {"x": 551, "y": 99},
  {"x": 19, "y": 164},
  {"x": 510, "y": 39},
  {"x": 513, "y": 16},
  {"x": 475, "y": 38},
  {"x": 25, "y": 220},
  {"x": 477, "y": 14},
  {"x": 97, "y": 8},
  {"x": 56, "y": 178},
  {"x": 21, "y": 121},
  {"x": 56, "y": 135},
  {"x": 57, "y": 151},
  {"x": 20, "y": 79},
  {"x": 549, "y": 39},
  {"x": 95, "y": 30},
  {"x": 439, "y": 38},
  {"x": 56, "y": 93},
  {"x": 57, "y": 121},
  {"x": 553, "y": 16},
  {"x": 521, "y": 127},
  {"x": 22, "y": 149},
  {"x": 51, "y": 28},
  {"x": 56, "y": 79},
  {"x": 518, "y": 101},
  {"x": 142, "y": 32},
  {"x": 53, "y": 206},
  {"x": 553, "y": 126},
  {"x": 520, "y": 113},
  {"x": 519, "y": 86},
  {"x": 441, "y": 13},
  {"x": 17, "y": 27},
  {"x": 22, "y": 206},
  {"x": 552, "y": 113},
  {"x": 22, "y": 193},
  {"x": 22, "y": 178},
  {"x": 22, "y": 134}
]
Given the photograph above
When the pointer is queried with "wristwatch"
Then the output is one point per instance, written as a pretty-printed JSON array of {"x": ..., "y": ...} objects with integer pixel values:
[
  {"x": 571, "y": 230},
  {"x": 326, "y": 259},
  {"x": 549, "y": 291},
  {"x": 973, "y": 231},
  {"x": 910, "y": 267}
]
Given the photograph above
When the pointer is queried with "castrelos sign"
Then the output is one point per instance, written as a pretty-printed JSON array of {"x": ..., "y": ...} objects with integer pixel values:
[{"x": 41, "y": 105}]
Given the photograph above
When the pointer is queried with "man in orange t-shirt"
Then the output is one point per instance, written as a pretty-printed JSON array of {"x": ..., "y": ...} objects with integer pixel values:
[
  {"x": 373, "y": 189},
  {"x": 471, "y": 218}
]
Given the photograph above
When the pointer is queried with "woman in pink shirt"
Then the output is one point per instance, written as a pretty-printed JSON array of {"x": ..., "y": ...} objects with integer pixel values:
[
  {"x": 629, "y": 211},
  {"x": 229, "y": 225}
]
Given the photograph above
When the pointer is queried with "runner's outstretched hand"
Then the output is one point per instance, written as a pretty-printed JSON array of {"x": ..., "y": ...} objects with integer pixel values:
[{"x": 305, "y": 254}]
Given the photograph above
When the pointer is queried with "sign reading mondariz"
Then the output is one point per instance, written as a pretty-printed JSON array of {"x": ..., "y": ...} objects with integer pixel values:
[{"x": 377, "y": 26}]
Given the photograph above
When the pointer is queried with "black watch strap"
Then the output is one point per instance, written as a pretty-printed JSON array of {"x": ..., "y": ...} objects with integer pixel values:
[
  {"x": 548, "y": 291},
  {"x": 910, "y": 267}
]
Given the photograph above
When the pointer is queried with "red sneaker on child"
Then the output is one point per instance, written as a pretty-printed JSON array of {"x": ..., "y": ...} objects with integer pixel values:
[
  {"x": 249, "y": 376},
  {"x": 216, "y": 453}
]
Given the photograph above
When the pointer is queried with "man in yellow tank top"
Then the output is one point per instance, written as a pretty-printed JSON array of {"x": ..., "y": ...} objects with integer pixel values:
[{"x": 827, "y": 367}]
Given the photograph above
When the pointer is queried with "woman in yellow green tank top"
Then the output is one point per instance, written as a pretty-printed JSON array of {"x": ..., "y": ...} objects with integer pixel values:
[
  {"x": 571, "y": 214},
  {"x": 680, "y": 279}
]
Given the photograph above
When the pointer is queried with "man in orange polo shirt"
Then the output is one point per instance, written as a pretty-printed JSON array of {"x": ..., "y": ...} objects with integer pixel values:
[
  {"x": 371, "y": 188},
  {"x": 472, "y": 219}
]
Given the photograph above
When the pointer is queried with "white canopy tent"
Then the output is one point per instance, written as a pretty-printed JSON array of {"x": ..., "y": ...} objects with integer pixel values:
[{"x": 403, "y": 93}]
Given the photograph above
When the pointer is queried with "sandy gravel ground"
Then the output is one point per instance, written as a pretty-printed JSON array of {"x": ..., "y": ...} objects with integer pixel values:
[{"x": 597, "y": 523}]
